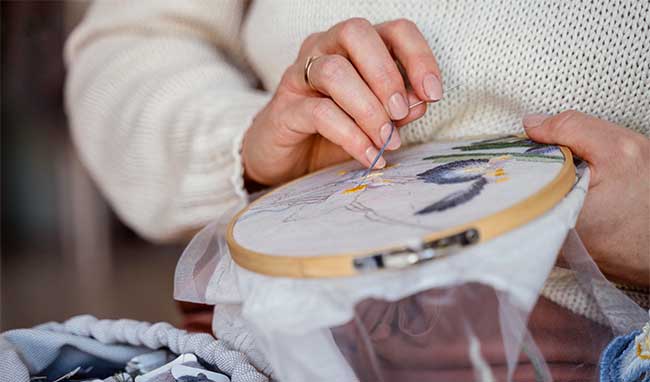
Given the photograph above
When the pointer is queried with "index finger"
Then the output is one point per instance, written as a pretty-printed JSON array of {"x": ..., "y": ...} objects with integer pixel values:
[
  {"x": 358, "y": 40},
  {"x": 414, "y": 53}
]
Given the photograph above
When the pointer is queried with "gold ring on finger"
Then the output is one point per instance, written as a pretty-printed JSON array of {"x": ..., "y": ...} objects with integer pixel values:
[{"x": 310, "y": 60}]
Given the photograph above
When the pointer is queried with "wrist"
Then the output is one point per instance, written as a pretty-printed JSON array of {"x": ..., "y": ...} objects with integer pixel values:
[{"x": 251, "y": 178}]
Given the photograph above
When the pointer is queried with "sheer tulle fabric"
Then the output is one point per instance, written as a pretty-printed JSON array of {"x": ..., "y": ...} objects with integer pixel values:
[{"x": 476, "y": 317}]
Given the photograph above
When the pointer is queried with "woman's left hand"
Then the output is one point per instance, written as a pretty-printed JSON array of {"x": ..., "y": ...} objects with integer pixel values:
[{"x": 615, "y": 220}]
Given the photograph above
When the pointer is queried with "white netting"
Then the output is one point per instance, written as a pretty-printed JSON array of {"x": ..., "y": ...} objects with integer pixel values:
[{"x": 465, "y": 317}]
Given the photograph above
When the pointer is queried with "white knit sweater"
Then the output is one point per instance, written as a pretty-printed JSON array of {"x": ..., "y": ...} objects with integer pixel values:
[{"x": 160, "y": 92}]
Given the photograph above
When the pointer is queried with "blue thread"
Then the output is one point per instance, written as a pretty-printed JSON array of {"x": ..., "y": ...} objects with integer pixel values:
[
  {"x": 456, "y": 198},
  {"x": 380, "y": 153},
  {"x": 619, "y": 363},
  {"x": 448, "y": 173}
]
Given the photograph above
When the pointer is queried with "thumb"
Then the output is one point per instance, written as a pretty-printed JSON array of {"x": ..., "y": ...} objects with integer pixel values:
[{"x": 586, "y": 136}]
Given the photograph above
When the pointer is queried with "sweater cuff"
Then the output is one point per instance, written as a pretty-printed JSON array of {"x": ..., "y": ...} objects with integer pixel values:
[
  {"x": 212, "y": 181},
  {"x": 247, "y": 113}
]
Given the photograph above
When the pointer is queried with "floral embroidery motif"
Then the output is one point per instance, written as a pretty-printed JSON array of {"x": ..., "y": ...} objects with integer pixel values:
[
  {"x": 643, "y": 342},
  {"x": 480, "y": 168}
]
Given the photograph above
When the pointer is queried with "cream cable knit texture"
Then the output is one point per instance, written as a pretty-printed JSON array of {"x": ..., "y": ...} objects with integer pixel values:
[
  {"x": 159, "y": 92},
  {"x": 157, "y": 111}
]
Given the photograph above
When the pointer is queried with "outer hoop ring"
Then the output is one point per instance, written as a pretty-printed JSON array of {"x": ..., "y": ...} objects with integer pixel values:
[{"x": 340, "y": 265}]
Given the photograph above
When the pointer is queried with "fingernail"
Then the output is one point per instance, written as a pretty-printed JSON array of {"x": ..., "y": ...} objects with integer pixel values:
[
  {"x": 395, "y": 140},
  {"x": 534, "y": 120},
  {"x": 432, "y": 87},
  {"x": 371, "y": 153},
  {"x": 397, "y": 106}
]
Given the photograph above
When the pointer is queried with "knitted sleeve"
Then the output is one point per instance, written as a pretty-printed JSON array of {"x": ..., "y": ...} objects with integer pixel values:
[{"x": 158, "y": 105}]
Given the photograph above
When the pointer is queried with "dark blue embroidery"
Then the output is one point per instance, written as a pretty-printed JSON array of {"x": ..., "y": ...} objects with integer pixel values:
[
  {"x": 544, "y": 149},
  {"x": 452, "y": 172},
  {"x": 448, "y": 173},
  {"x": 505, "y": 142},
  {"x": 456, "y": 198}
]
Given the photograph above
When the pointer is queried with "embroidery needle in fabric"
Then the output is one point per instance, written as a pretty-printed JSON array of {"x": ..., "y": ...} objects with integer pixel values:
[
  {"x": 380, "y": 153},
  {"x": 383, "y": 148}
]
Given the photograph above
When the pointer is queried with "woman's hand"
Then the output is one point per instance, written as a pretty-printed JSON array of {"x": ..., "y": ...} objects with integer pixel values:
[
  {"x": 358, "y": 91},
  {"x": 615, "y": 220}
]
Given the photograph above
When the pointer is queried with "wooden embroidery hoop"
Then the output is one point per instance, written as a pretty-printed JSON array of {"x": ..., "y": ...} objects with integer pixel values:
[{"x": 348, "y": 264}]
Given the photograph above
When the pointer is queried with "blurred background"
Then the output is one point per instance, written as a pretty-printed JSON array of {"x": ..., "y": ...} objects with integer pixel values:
[{"x": 64, "y": 252}]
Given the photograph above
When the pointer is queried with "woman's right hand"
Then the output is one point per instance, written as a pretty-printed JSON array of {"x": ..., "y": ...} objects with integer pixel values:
[{"x": 359, "y": 91}]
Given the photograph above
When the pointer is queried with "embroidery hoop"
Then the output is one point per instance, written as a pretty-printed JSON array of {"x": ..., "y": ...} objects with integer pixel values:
[{"x": 435, "y": 245}]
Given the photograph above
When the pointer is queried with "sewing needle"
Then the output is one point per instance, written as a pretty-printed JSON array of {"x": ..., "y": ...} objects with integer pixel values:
[
  {"x": 392, "y": 129},
  {"x": 383, "y": 147}
]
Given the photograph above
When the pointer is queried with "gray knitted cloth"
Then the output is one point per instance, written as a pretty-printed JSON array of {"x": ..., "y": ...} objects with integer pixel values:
[{"x": 28, "y": 351}]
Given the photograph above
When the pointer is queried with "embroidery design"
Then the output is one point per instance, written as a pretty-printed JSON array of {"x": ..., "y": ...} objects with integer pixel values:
[
  {"x": 424, "y": 188},
  {"x": 481, "y": 169}
]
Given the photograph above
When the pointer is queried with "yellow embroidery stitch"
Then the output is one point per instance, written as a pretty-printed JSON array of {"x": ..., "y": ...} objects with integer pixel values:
[
  {"x": 358, "y": 188},
  {"x": 473, "y": 170},
  {"x": 500, "y": 158},
  {"x": 639, "y": 352},
  {"x": 643, "y": 342}
]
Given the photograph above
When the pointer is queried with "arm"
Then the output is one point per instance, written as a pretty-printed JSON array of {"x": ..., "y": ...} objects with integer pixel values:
[{"x": 157, "y": 112}]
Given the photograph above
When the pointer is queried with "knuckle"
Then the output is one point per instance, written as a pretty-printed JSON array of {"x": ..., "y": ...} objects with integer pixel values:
[
  {"x": 404, "y": 23},
  {"x": 287, "y": 78},
  {"x": 565, "y": 119},
  {"x": 351, "y": 29},
  {"x": 568, "y": 117},
  {"x": 423, "y": 62},
  {"x": 571, "y": 114},
  {"x": 369, "y": 111},
  {"x": 630, "y": 148},
  {"x": 310, "y": 40},
  {"x": 386, "y": 78},
  {"x": 333, "y": 68},
  {"x": 322, "y": 110},
  {"x": 357, "y": 23},
  {"x": 356, "y": 143}
]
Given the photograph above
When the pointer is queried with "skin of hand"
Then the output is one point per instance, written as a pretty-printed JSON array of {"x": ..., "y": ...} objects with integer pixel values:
[
  {"x": 359, "y": 92},
  {"x": 615, "y": 220}
]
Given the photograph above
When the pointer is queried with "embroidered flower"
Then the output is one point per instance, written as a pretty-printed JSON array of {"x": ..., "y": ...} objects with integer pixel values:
[{"x": 642, "y": 342}]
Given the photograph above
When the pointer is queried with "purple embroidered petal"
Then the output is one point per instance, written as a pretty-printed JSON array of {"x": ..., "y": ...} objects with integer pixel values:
[
  {"x": 455, "y": 199},
  {"x": 452, "y": 172}
]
